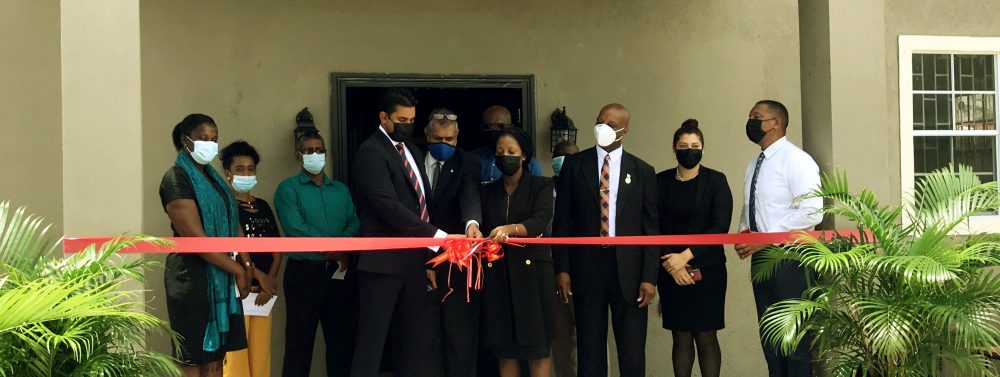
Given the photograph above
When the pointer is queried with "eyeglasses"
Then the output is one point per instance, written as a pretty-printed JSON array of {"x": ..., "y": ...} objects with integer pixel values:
[{"x": 451, "y": 117}]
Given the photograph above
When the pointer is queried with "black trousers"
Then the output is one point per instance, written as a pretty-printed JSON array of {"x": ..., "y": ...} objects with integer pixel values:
[
  {"x": 396, "y": 307},
  {"x": 592, "y": 295},
  {"x": 312, "y": 298},
  {"x": 457, "y": 323},
  {"x": 788, "y": 282}
]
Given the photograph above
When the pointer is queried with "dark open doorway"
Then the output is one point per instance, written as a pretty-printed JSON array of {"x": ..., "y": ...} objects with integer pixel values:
[{"x": 354, "y": 109}]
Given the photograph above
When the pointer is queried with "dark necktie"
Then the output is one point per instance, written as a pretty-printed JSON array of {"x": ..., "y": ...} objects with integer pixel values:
[
  {"x": 436, "y": 175},
  {"x": 753, "y": 194},
  {"x": 416, "y": 184},
  {"x": 605, "y": 203}
]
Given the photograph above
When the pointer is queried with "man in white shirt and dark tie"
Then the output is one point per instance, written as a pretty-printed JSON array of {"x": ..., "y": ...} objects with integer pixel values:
[{"x": 775, "y": 178}]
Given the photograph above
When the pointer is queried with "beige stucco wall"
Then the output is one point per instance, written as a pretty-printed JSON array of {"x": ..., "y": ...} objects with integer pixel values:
[
  {"x": 30, "y": 108},
  {"x": 253, "y": 64}
]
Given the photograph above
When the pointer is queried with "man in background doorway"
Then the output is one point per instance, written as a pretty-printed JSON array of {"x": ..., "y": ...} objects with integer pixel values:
[
  {"x": 497, "y": 118},
  {"x": 563, "y": 149}
]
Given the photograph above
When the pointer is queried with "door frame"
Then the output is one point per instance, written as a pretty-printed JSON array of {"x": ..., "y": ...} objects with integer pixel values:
[{"x": 341, "y": 81}]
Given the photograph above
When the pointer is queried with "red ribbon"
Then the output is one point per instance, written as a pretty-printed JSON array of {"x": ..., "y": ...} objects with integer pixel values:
[
  {"x": 333, "y": 244},
  {"x": 460, "y": 253}
]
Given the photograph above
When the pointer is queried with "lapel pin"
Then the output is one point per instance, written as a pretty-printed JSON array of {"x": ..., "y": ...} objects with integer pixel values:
[{"x": 628, "y": 178}]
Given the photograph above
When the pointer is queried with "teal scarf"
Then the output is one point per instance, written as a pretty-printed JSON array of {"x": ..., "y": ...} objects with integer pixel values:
[{"x": 220, "y": 218}]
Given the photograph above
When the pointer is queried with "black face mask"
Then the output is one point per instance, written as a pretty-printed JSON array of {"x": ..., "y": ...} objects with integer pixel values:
[
  {"x": 401, "y": 132},
  {"x": 508, "y": 165},
  {"x": 689, "y": 158},
  {"x": 754, "y": 131}
]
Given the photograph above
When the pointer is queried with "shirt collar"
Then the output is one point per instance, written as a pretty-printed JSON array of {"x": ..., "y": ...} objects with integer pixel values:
[
  {"x": 394, "y": 143},
  {"x": 776, "y": 147},
  {"x": 616, "y": 155},
  {"x": 305, "y": 178}
]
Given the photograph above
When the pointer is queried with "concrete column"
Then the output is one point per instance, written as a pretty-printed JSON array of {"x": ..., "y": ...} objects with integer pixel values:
[
  {"x": 102, "y": 117},
  {"x": 844, "y": 106}
]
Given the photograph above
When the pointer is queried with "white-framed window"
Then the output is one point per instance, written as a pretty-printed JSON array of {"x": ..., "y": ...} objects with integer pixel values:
[{"x": 948, "y": 102}]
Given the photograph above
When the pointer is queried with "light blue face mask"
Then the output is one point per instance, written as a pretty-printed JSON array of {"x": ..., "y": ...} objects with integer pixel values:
[
  {"x": 244, "y": 183},
  {"x": 557, "y": 164},
  {"x": 314, "y": 163}
]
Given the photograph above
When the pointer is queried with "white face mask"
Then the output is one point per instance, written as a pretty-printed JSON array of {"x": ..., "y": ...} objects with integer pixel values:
[
  {"x": 204, "y": 151},
  {"x": 314, "y": 163},
  {"x": 244, "y": 183},
  {"x": 605, "y": 135}
]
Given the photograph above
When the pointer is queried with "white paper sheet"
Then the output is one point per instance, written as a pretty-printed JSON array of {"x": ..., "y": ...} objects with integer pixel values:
[
  {"x": 250, "y": 306},
  {"x": 339, "y": 275}
]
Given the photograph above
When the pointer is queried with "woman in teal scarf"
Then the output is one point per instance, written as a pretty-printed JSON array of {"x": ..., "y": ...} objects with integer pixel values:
[{"x": 202, "y": 302}]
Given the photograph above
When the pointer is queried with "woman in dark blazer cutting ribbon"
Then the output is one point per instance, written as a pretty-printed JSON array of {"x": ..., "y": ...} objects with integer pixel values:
[
  {"x": 693, "y": 200},
  {"x": 517, "y": 303}
]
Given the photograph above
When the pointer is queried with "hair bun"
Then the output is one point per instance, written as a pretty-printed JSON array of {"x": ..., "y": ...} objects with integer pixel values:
[{"x": 690, "y": 123}]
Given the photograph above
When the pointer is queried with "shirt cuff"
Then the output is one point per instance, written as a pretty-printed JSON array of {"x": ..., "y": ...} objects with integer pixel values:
[
  {"x": 468, "y": 224},
  {"x": 440, "y": 234}
]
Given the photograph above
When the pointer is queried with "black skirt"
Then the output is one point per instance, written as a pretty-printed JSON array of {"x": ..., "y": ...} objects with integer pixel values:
[
  {"x": 518, "y": 314},
  {"x": 186, "y": 283},
  {"x": 698, "y": 307}
]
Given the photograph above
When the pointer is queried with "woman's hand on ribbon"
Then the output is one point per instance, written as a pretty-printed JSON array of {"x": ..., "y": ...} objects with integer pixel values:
[{"x": 501, "y": 234}]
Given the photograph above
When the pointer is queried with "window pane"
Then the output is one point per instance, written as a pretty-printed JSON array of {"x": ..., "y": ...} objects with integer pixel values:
[
  {"x": 975, "y": 112},
  {"x": 978, "y": 152},
  {"x": 931, "y": 153},
  {"x": 931, "y": 72},
  {"x": 932, "y": 112},
  {"x": 934, "y": 152},
  {"x": 975, "y": 72}
]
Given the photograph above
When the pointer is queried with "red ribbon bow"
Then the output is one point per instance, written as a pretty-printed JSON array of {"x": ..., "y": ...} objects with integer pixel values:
[{"x": 463, "y": 253}]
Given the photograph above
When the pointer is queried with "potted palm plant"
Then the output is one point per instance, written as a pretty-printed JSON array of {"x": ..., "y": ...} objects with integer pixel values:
[
  {"x": 71, "y": 316},
  {"x": 902, "y": 299}
]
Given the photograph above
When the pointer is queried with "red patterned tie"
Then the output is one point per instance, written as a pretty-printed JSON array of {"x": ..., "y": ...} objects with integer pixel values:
[
  {"x": 605, "y": 213},
  {"x": 416, "y": 184}
]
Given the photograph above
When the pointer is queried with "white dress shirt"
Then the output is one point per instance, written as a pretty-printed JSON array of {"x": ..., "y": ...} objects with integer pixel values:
[
  {"x": 786, "y": 174},
  {"x": 416, "y": 173},
  {"x": 429, "y": 162},
  {"x": 615, "y": 169}
]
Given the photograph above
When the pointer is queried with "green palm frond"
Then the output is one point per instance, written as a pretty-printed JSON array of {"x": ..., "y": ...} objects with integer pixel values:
[
  {"x": 784, "y": 324},
  {"x": 23, "y": 240},
  {"x": 767, "y": 262},
  {"x": 906, "y": 302},
  {"x": 71, "y": 316}
]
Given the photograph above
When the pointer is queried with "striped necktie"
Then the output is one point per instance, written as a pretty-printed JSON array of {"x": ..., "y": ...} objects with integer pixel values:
[
  {"x": 605, "y": 203},
  {"x": 753, "y": 194},
  {"x": 412, "y": 175}
]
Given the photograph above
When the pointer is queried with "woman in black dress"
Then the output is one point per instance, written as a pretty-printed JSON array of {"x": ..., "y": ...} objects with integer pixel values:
[
  {"x": 517, "y": 302},
  {"x": 239, "y": 162},
  {"x": 202, "y": 305},
  {"x": 693, "y": 200}
]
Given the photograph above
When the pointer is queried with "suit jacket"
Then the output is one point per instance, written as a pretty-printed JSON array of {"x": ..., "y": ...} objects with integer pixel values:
[
  {"x": 713, "y": 211},
  {"x": 387, "y": 204},
  {"x": 455, "y": 200},
  {"x": 518, "y": 287},
  {"x": 578, "y": 214}
]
